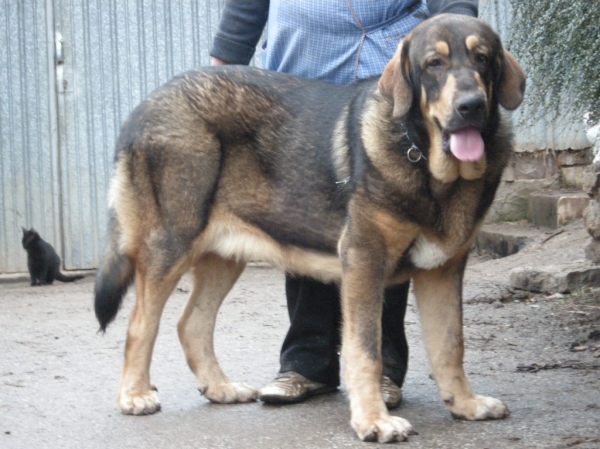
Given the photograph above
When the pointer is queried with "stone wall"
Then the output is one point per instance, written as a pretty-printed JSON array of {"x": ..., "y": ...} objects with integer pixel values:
[{"x": 591, "y": 181}]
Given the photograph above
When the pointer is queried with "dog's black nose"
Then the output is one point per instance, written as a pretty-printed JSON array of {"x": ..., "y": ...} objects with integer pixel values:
[{"x": 470, "y": 107}]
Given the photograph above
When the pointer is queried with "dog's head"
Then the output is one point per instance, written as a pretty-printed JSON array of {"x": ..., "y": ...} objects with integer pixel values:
[{"x": 453, "y": 71}]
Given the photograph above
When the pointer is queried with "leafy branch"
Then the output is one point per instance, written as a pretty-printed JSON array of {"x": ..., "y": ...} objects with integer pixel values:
[{"x": 560, "y": 44}]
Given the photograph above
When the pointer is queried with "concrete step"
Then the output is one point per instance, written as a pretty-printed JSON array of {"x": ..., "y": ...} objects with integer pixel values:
[
  {"x": 521, "y": 256},
  {"x": 556, "y": 208},
  {"x": 565, "y": 278},
  {"x": 512, "y": 199},
  {"x": 505, "y": 239}
]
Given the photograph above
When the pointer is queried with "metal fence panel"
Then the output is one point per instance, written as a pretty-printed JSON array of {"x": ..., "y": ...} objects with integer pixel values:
[
  {"x": 557, "y": 130},
  {"x": 115, "y": 53},
  {"x": 28, "y": 171}
]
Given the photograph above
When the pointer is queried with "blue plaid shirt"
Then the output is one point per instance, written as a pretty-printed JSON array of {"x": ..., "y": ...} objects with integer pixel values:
[{"x": 340, "y": 41}]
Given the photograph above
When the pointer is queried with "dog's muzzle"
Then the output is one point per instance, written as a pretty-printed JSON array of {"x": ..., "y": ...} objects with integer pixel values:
[{"x": 462, "y": 137}]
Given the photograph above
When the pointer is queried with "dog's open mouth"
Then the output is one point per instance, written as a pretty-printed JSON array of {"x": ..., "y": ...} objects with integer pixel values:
[{"x": 465, "y": 144}]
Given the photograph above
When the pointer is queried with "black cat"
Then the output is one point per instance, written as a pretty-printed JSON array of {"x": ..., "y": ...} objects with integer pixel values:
[{"x": 42, "y": 260}]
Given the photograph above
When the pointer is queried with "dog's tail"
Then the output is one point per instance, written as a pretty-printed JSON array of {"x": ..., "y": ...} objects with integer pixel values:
[
  {"x": 113, "y": 279},
  {"x": 64, "y": 278}
]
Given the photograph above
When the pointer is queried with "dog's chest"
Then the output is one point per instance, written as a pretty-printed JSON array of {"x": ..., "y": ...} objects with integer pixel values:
[
  {"x": 430, "y": 252},
  {"x": 427, "y": 255},
  {"x": 457, "y": 225}
]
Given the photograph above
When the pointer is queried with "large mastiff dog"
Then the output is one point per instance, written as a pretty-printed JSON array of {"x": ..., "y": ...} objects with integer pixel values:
[{"x": 368, "y": 185}]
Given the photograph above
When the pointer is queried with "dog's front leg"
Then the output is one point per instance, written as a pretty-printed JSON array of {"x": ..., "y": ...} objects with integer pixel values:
[
  {"x": 365, "y": 258},
  {"x": 439, "y": 298}
]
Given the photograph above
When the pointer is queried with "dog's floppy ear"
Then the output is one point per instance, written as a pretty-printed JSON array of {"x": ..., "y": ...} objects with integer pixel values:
[
  {"x": 393, "y": 84},
  {"x": 512, "y": 83}
]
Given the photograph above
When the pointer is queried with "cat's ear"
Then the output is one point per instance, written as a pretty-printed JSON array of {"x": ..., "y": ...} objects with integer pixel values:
[{"x": 24, "y": 230}]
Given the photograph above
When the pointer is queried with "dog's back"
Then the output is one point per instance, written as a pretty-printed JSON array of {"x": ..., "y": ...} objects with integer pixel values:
[{"x": 226, "y": 145}]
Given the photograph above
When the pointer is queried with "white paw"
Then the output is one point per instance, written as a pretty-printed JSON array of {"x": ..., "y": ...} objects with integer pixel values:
[
  {"x": 230, "y": 393},
  {"x": 141, "y": 404},
  {"x": 383, "y": 428},
  {"x": 479, "y": 408}
]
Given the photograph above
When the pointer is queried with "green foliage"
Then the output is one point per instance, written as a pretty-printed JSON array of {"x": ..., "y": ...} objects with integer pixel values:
[{"x": 559, "y": 41}]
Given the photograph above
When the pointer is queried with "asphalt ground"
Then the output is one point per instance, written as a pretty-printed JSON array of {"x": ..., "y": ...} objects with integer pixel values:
[{"x": 59, "y": 377}]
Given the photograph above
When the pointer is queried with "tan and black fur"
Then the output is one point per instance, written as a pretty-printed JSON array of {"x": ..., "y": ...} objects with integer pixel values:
[{"x": 222, "y": 166}]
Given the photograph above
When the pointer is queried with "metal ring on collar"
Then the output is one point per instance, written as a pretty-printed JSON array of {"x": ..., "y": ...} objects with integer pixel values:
[{"x": 414, "y": 155}]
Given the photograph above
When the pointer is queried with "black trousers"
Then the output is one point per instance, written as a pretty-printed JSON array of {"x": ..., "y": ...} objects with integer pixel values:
[{"x": 312, "y": 343}]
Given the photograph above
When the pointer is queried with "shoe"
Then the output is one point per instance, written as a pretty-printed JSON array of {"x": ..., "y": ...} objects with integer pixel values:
[
  {"x": 291, "y": 387},
  {"x": 392, "y": 394}
]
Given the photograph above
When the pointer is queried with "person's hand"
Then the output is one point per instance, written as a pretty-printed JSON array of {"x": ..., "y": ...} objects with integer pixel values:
[{"x": 216, "y": 62}]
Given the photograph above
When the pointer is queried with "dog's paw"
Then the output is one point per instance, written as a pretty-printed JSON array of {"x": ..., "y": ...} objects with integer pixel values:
[
  {"x": 139, "y": 404},
  {"x": 479, "y": 408},
  {"x": 383, "y": 428},
  {"x": 230, "y": 393}
]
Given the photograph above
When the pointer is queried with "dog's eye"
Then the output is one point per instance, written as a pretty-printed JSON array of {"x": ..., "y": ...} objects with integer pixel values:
[
  {"x": 434, "y": 63},
  {"x": 481, "y": 59}
]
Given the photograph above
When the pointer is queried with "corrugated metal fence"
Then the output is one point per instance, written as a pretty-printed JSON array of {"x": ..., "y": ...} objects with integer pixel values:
[
  {"x": 70, "y": 73},
  {"x": 72, "y": 70},
  {"x": 28, "y": 159},
  {"x": 115, "y": 53}
]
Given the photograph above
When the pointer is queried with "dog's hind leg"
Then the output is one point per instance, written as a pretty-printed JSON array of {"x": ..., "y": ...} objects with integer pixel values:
[
  {"x": 137, "y": 396},
  {"x": 213, "y": 277},
  {"x": 439, "y": 298}
]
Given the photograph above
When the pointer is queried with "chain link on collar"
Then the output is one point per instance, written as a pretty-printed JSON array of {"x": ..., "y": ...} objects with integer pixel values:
[{"x": 414, "y": 154}]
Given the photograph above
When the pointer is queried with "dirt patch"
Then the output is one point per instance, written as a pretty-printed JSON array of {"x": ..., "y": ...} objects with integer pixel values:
[{"x": 578, "y": 316}]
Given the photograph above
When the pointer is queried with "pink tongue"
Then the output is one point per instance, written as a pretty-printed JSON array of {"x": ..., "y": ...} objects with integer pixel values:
[{"x": 467, "y": 145}]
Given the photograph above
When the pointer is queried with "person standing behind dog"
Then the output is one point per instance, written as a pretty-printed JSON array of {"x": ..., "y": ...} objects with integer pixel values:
[{"x": 338, "y": 41}]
